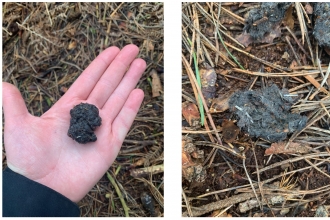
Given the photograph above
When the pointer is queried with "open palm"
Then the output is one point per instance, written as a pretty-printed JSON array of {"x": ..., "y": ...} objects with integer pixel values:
[{"x": 39, "y": 147}]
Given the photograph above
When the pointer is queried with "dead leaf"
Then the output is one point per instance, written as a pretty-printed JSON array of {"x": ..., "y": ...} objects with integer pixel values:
[
  {"x": 288, "y": 18},
  {"x": 208, "y": 80},
  {"x": 229, "y": 131},
  {"x": 309, "y": 9},
  {"x": 63, "y": 89},
  {"x": 148, "y": 45},
  {"x": 156, "y": 84},
  {"x": 293, "y": 64},
  {"x": 286, "y": 55},
  {"x": 279, "y": 148},
  {"x": 221, "y": 103},
  {"x": 274, "y": 33},
  {"x": 246, "y": 38},
  {"x": 191, "y": 114},
  {"x": 72, "y": 45}
]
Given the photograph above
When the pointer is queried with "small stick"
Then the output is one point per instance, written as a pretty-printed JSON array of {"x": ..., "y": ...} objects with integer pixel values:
[
  {"x": 198, "y": 132},
  {"x": 145, "y": 171},
  {"x": 187, "y": 204},
  {"x": 308, "y": 125},
  {"x": 123, "y": 203},
  {"x": 219, "y": 146},
  {"x": 326, "y": 110},
  {"x": 316, "y": 168},
  {"x": 291, "y": 160},
  {"x": 251, "y": 184},
  {"x": 220, "y": 204},
  {"x": 231, "y": 38},
  {"x": 326, "y": 76},
  {"x": 50, "y": 19},
  {"x": 305, "y": 13},
  {"x": 236, "y": 17},
  {"x": 300, "y": 22},
  {"x": 294, "y": 53},
  {"x": 301, "y": 73},
  {"x": 297, "y": 41}
]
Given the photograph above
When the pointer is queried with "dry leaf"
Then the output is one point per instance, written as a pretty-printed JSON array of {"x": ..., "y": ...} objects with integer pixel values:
[
  {"x": 229, "y": 131},
  {"x": 274, "y": 33},
  {"x": 156, "y": 84},
  {"x": 293, "y": 64},
  {"x": 148, "y": 45},
  {"x": 288, "y": 19},
  {"x": 191, "y": 114},
  {"x": 221, "y": 103},
  {"x": 72, "y": 45},
  {"x": 246, "y": 38},
  {"x": 208, "y": 80},
  {"x": 286, "y": 55},
  {"x": 63, "y": 89},
  {"x": 308, "y": 9},
  {"x": 292, "y": 148}
]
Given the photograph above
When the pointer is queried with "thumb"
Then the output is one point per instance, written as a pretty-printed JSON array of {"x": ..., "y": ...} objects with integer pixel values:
[{"x": 12, "y": 102}]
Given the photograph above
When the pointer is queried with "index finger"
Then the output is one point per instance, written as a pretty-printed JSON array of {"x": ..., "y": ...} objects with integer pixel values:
[{"x": 85, "y": 83}]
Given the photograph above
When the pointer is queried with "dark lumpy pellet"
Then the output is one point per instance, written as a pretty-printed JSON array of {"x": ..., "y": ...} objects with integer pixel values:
[
  {"x": 148, "y": 203},
  {"x": 266, "y": 113},
  {"x": 84, "y": 120}
]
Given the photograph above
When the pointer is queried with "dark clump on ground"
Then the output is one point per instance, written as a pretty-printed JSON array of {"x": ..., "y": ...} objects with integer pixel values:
[
  {"x": 84, "y": 120},
  {"x": 322, "y": 23},
  {"x": 262, "y": 20},
  {"x": 266, "y": 113}
]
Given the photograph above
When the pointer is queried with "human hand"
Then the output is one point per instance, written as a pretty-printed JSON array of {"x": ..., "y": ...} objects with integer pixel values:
[{"x": 39, "y": 147}]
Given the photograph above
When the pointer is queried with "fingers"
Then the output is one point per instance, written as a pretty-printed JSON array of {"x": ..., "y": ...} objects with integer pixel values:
[
  {"x": 121, "y": 93},
  {"x": 13, "y": 103},
  {"x": 112, "y": 76},
  {"x": 126, "y": 116},
  {"x": 85, "y": 83}
]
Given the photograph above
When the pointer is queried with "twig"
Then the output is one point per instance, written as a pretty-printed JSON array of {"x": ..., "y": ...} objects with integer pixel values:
[
  {"x": 236, "y": 17},
  {"x": 220, "y": 204},
  {"x": 298, "y": 42},
  {"x": 147, "y": 171},
  {"x": 123, "y": 203},
  {"x": 221, "y": 147},
  {"x": 301, "y": 73},
  {"x": 291, "y": 160},
  {"x": 293, "y": 51},
  {"x": 318, "y": 169},
  {"x": 308, "y": 124},
  {"x": 251, "y": 184},
  {"x": 199, "y": 132},
  {"x": 304, "y": 32},
  {"x": 187, "y": 204},
  {"x": 302, "y": 29}
]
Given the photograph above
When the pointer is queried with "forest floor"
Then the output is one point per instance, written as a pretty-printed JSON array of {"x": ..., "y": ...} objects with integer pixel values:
[
  {"x": 247, "y": 160},
  {"x": 46, "y": 46}
]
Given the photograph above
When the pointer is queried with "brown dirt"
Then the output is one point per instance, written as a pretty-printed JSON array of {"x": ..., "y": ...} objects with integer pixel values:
[
  {"x": 45, "y": 48},
  {"x": 225, "y": 172}
]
